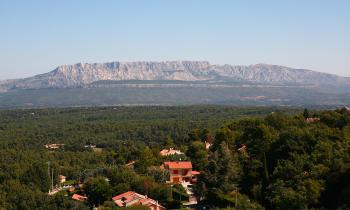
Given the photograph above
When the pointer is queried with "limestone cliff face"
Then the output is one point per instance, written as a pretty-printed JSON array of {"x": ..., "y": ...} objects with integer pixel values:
[
  {"x": 83, "y": 74},
  {"x": 265, "y": 73}
]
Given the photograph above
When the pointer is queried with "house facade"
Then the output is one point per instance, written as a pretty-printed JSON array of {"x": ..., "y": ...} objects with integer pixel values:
[{"x": 179, "y": 171}]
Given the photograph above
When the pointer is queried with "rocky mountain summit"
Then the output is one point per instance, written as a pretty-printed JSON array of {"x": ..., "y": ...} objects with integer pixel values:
[{"x": 81, "y": 74}]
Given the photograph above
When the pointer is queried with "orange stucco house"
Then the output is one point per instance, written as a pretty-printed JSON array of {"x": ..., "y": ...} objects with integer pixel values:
[{"x": 180, "y": 171}]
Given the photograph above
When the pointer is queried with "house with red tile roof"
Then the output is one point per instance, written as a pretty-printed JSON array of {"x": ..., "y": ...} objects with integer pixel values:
[
  {"x": 131, "y": 198},
  {"x": 78, "y": 197},
  {"x": 180, "y": 171}
]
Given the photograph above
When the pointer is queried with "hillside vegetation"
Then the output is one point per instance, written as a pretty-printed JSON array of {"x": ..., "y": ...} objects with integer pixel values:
[{"x": 261, "y": 158}]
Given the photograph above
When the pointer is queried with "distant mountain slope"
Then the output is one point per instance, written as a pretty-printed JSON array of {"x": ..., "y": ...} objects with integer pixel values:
[
  {"x": 175, "y": 83},
  {"x": 172, "y": 94},
  {"x": 83, "y": 74}
]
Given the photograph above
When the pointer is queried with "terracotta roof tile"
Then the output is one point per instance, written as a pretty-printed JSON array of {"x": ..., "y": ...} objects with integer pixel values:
[
  {"x": 180, "y": 165},
  {"x": 132, "y": 198},
  {"x": 196, "y": 172},
  {"x": 79, "y": 197}
]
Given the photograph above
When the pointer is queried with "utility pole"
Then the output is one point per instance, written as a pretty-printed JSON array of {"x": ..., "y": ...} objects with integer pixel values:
[
  {"x": 52, "y": 178},
  {"x": 48, "y": 171},
  {"x": 236, "y": 204}
]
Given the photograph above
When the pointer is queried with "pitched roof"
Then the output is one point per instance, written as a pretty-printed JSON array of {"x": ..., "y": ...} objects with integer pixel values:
[
  {"x": 126, "y": 195},
  {"x": 79, "y": 197},
  {"x": 196, "y": 172},
  {"x": 131, "y": 198},
  {"x": 176, "y": 165}
]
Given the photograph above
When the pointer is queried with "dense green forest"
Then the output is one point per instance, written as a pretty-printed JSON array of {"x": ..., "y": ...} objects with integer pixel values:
[{"x": 261, "y": 158}]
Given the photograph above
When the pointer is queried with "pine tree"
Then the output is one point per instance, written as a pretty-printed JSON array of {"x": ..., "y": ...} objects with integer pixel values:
[{"x": 306, "y": 113}]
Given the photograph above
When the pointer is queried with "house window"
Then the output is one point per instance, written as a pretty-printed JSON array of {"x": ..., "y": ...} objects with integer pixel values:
[
  {"x": 184, "y": 172},
  {"x": 176, "y": 179},
  {"x": 175, "y": 172}
]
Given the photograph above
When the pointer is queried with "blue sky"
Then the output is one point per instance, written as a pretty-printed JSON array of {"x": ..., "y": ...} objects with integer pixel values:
[{"x": 38, "y": 35}]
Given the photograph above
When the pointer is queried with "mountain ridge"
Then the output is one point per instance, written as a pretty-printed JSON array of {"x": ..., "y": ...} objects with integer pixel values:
[{"x": 82, "y": 74}]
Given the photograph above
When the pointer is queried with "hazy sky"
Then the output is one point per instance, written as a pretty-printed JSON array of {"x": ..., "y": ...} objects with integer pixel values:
[{"x": 36, "y": 36}]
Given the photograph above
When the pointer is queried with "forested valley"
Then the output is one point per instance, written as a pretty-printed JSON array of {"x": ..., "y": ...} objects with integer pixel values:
[{"x": 259, "y": 158}]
